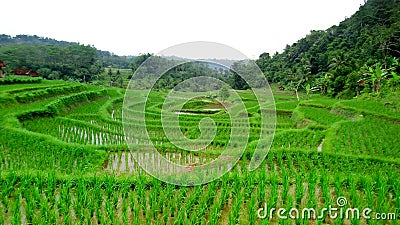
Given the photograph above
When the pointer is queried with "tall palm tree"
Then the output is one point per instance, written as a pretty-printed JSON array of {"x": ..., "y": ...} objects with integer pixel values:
[{"x": 337, "y": 61}]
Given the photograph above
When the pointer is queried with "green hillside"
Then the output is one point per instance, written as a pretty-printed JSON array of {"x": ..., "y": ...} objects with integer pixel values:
[
  {"x": 57, "y": 59},
  {"x": 333, "y": 60}
]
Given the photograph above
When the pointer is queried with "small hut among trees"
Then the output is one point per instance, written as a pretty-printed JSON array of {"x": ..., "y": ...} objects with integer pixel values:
[{"x": 26, "y": 72}]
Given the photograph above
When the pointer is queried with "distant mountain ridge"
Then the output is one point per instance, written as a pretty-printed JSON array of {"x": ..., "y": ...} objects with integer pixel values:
[{"x": 32, "y": 40}]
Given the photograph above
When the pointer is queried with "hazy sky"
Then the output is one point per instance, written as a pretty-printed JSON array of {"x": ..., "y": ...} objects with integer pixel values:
[{"x": 133, "y": 27}]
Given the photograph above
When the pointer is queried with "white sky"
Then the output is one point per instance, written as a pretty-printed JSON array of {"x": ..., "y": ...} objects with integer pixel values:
[{"x": 133, "y": 27}]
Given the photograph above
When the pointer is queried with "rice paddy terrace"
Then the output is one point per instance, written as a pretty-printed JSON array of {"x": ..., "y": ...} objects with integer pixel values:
[{"x": 64, "y": 159}]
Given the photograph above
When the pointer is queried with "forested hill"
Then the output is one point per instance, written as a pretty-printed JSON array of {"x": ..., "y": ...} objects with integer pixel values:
[
  {"x": 360, "y": 54},
  {"x": 56, "y": 59},
  {"x": 34, "y": 40}
]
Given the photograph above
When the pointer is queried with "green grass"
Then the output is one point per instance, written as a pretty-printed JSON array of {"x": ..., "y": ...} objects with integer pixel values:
[
  {"x": 320, "y": 115},
  {"x": 287, "y": 106},
  {"x": 298, "y": 139},
  {"x": 44, "y": 83},
  {"x": 320, "y": 102},
  {"x": 374, "y": 108}
]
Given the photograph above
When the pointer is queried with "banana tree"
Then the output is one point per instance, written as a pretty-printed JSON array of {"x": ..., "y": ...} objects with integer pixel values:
[
  {"x": 295, "y": 87},
  {"x": 322, "y": 83},
  {"x": 297, "y": 80},
  {"x": 308, "y": 90},
  {"x": 394, "y": 80},
  {"x": 377, "y": 75}
]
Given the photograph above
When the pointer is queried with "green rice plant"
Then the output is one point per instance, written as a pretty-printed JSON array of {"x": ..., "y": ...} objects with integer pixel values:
[
  {"x": 312, "y": 184},
  {"x": 44, "y": 208},
  {"x": 53, "y": 155},
  {"x": 109, "y": 209},
  {"x": 65, "y": 201},
  {"x": 235, "y": 209},
  {"x": 73, "y": 131},
  {"x": 17, "y": 210},
  {"x": 225, "y": 195},
  {"x": 325, "y": 188},
  {"x": 382, "y": 191},
  {"x": 30, "y": 206},
  {"x": 9, "y": 80},
  {"x": 135, "y": 208},
  {"x": 289, "y": 204},
  {"x": 18, "y": 88},
  {"x": 369, "y": 107},
  {"x": 303, "y": 139},
  {"x": 320, "y": 115},
  {"x": 35, "y": 95},
  {"x": 252, "y": 209},
  {"x": 338, "y": 184},
  {"x": 155, "y": 205},
  {"x": 286, "y": 186},
  {"x": 215, "y": 212},
  {"x": 286, "y": 105},
  {"x": 203, "y": 206},
  {"x": 353, "y": 191},
  {"x": 321, "y": 102},
  {"x": 273, "y": 199},
  {"x": 299, "y": 189},
  {"x": 357, "y": 138}
]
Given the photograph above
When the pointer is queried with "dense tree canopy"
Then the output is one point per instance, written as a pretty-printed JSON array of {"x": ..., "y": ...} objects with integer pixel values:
[
  {"x": 333, "y": 60},
  {"x": 75, "y": 61},
  {"x": 57, "y": 59}
]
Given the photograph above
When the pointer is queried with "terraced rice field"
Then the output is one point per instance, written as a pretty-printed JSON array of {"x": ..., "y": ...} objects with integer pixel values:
[{"x": 64, "y": 159}]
